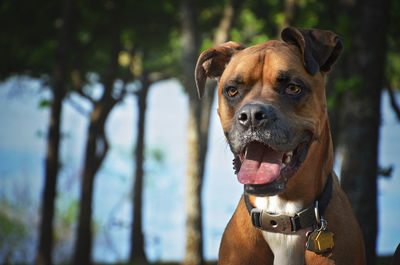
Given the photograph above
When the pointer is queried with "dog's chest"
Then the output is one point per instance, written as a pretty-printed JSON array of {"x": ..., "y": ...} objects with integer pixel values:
[{"x": 288, "y": 249}]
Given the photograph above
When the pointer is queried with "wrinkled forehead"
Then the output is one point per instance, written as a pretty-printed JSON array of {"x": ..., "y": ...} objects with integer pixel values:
[{"x": 264, "y": 62}]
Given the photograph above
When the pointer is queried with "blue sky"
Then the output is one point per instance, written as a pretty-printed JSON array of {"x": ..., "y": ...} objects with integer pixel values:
[{"x": 22, "y": 154}]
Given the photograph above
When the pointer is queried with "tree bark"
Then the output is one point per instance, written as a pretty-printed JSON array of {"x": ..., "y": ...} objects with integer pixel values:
[
  {"x": 96, "y": 143},
  {"x": 198, "y": 122},
  {"x": 360, "y": 134},
  {"x": 137, "y": 253},
  {"x": 190, "y": 47},
  {"x": 96, "y": 150},
  {"x": 290, "y": 7},
  {"x": 45, "y": 245}
]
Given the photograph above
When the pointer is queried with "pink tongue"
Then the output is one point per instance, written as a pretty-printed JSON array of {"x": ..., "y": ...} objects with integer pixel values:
[{"x": 260, "y": 166}]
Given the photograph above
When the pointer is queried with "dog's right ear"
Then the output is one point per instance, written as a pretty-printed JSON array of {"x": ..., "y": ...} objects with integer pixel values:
[{"x": 212, "y": 63}]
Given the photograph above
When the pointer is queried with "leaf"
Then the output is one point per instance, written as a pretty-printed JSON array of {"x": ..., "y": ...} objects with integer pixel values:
[
  {"x": 157, "y": 154},
  {"x": 44, "y": 103},
  {"x": 385, "y": 172}
]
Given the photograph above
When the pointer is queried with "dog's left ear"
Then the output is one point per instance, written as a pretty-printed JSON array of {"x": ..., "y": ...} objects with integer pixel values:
[
  {"x": 212, "y": 63},
  {"x": 320, "y": 48}
]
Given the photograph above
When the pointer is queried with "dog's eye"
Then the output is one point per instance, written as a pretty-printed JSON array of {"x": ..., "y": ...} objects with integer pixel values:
[
  {"x": 232, "y": 91},
  {"x": 293, "y": 89}
]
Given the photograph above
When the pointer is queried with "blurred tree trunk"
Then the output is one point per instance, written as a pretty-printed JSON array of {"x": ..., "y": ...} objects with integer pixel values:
[
  {"x": 290, "y": 7},
  {"x": 335, "y": 109},
  {"x": 361, "y": 115},
  {"x": 96, "y": 143},
  {"x": 331, "y": 18},
  {"x": 137, "y": 253},
  {"x": 96, "y": 150},
  {"x": 195, "y": 165},
  {"x": 59, "y": 80},
  {"x": 198, "y": 122}
]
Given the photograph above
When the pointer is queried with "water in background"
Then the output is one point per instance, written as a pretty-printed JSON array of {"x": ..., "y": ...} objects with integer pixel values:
[{"x": 22, "y": 152}]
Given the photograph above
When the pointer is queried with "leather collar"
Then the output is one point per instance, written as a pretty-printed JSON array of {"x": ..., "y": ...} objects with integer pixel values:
[{"x": 288, "y": 224}]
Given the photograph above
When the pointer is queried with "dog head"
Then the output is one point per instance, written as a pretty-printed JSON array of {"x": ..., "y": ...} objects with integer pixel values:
[{"x": 271, "y": 102}]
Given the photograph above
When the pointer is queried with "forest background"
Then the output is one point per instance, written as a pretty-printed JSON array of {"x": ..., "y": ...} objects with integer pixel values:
[{"x": 71, "y": 68}]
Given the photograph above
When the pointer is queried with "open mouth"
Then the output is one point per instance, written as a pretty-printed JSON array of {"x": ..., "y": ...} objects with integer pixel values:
[{"x": 265, "y": 170}]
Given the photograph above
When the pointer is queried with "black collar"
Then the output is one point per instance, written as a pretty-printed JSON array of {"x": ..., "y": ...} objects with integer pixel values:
[{"x": 287, "y": 224}]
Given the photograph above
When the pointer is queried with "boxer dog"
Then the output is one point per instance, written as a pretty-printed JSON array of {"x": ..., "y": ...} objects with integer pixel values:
[{"x": 273, "y": 111}]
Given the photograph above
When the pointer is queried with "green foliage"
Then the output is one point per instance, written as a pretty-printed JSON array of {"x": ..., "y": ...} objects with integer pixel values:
[
  {"x": 308, "y": 14},
  {"x": 394, "y": 30},
  {"x": 149, "y": 26},
  {"x": 393, "y": 69},
  {"x": 9, "y": 227},
  {"x": 27, "y": 42},
  {"x": 269, "y": 15},
  {"x": 249, "y": 29},
  {"x": 65, "y": 224},
  {"x": 353, "y": 84},
  {"x": 66, "y": 216},
  {"x": 341, "y": 85},
  {"x": 393, "y": 56},
  {"x": 44, "y": 103},
  {"x": 209, "y": 15},
  {"x": 157, "y": 155},
  {"x": 166, "y": 60},
  {"x": 13, "y": 229}
]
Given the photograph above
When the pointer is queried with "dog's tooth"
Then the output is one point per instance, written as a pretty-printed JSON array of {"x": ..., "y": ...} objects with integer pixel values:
[
  {"x": 288, "y": 159},
  {"x": 245, "y": 152},
  {"x": 289, "y": 153},
  {"x": 283, "y": 166}
]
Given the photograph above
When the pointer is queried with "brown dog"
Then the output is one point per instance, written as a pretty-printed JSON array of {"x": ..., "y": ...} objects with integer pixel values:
[{"x": 273, "y": 111}]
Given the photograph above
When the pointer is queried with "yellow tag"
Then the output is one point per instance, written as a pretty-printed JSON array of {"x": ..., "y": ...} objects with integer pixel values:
[{"x": 323, "y": 241}]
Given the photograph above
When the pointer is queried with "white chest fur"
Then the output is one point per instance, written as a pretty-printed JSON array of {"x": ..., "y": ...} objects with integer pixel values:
[{"x": 288, "y": 249}]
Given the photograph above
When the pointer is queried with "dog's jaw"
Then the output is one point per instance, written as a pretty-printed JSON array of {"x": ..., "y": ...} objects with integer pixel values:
[{"x": 270, "y": 180}]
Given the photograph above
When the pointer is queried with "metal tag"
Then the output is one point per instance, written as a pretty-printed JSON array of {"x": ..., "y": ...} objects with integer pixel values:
[
  {"x": 320, "y": 241},
  {"x": 310, "y": 242}
]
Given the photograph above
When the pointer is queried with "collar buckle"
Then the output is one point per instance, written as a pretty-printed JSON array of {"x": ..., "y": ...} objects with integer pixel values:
[{"x": 281, "y": 223}]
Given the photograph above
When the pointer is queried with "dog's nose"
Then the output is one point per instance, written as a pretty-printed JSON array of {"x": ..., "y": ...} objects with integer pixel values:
[{"x": 255, "y": 115}]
